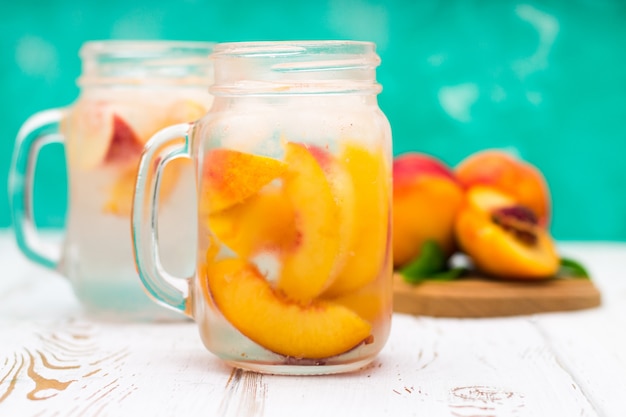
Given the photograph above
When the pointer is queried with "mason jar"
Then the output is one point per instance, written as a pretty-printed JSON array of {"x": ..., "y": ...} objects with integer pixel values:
[
  {"x": 293, "y": 172},
  {"x": 128, "y": 91}
]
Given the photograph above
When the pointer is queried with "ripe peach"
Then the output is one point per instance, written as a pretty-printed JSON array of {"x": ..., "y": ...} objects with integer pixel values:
[
  {"x": 503, "y": 237},
  {"x": 314, "y": 330},
  {"x": 426, "y": 199},
  {"x": 501, "y": 170}
]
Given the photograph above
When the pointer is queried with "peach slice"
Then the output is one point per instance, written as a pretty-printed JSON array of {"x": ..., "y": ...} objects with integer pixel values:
[
  {"x": 264, "y": 221},
  {"x": 369, "y": 303},
  {"x": 308, "y": 266},
  {"x": 313, "y": 331},
  {"x": 146, "y": 116},
  {"x": 231, "y": 176},
  {"x": 120, "y": 200},
  {"x": 88, "y": 128},
  {"x": 125, "y": 147},
  {"x": 342, "y": 188},
  {"x": 185, "y": 110},
  {"x": 503, "y": 238},
  {"x": 369, "y": 237}
]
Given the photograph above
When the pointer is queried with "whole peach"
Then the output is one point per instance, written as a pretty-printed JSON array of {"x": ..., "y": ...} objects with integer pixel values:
[
  {"x": 426, "y": 198},
  {"x": 520, "y": 179}
]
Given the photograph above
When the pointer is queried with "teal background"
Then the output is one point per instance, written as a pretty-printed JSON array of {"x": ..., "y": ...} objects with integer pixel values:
[{"x": 544, "y": 79}]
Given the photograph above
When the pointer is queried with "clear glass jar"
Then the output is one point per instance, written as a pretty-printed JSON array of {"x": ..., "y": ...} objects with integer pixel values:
[
  {"x": 293, "y": 165},
  {"x": 128, "y": 91}
]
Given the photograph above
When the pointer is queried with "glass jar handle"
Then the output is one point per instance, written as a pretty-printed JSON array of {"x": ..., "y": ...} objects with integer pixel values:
[
  {"x": 165, "y": 146},
  {"x": 39, "y": 130}
]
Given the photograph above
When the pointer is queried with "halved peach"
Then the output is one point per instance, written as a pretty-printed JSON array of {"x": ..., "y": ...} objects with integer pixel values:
[
  {"x": 369, "y": 237},
  {"x": 230, "y": 177},
  {"x": 264, "y": 221},
  {"x": 503, "y": 238},
  {"x": 308, "y": 266},
  {"x": 520, "y": 179},
  {"x": 313, "y": 331}
]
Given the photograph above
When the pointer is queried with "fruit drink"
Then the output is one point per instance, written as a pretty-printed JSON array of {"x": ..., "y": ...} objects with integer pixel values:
[
  {"x": 293, "y": 175},
  {"x": 128, "y": 91},
  {"x": 105, "y": 134},
  {"x": 295, "y": 266}
]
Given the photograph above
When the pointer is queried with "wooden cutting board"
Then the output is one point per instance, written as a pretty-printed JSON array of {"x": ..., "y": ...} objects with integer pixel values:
[{"x": 479, "y": 297}]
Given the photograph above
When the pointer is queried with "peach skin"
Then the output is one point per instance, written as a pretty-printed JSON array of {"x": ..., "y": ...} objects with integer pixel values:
[
  {"x": 426, "y": 198},
  {"x": 503, "y": 237},
  {"x": 513, "y": 176}
]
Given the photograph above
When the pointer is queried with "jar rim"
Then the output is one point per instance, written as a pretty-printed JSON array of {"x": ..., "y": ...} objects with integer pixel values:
[
  {"x": 134, "y": 62},
  {"x": 251, "y": 49},
  {"x": 142, "y": 48},
  {"x": 295, "y": 67}
]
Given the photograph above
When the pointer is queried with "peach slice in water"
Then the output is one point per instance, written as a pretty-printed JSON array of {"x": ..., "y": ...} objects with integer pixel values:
[
  {"x": 230, "y": 177},
  {"x": 309, "y": 265},
  {"x": 370, "y": 211},
  {"x": 314, "y": 330},
  {"x": 88, "y": 128}
]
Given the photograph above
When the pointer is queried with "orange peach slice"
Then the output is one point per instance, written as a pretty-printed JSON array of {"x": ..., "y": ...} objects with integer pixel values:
[
  {"x": 342, "y": 188},
  {"x": 146, "y": 117},
  {"x": 503, "y": 237},
  {"x": 312, "y": 331},
  {"x": 231, "y": 176},
  {"x": 120, "y": 200},
  {"x": 88, "y": 128},
  {"x": 264, "y": 221},
  {"x": 183, "y": 111},
  {"x": 369, "y": 303},
  {"x": 369, "y": 236},
  {"x": 308, "y": 266},
  {"x": 125, "y": 147}
]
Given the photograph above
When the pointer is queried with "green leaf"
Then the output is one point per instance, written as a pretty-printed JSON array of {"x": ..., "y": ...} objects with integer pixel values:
[
  {"x": 431, "y": 261},
  {"x": 574, "y": 269}
]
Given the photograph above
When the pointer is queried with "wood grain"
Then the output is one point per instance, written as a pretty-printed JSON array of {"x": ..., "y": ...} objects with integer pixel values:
[
  {"x": 479, "y": 297},
  {"x": 63, "y": 360},
  {"x": 561, "y": 364}
]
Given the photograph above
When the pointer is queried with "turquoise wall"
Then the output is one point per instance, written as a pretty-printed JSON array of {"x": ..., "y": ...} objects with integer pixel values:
[{"x": 546, "y": 79}]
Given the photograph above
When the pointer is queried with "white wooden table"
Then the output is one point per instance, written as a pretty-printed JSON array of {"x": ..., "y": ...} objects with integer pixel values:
[{"x": 56, "y": 362}]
